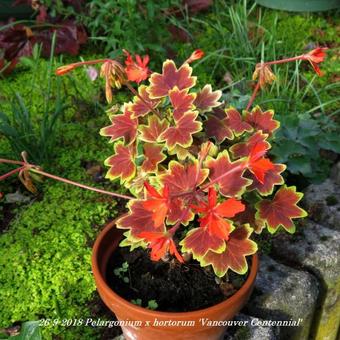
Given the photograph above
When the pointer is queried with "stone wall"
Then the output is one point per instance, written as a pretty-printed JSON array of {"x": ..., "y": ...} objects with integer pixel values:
[{"x": 301, "y": 279}]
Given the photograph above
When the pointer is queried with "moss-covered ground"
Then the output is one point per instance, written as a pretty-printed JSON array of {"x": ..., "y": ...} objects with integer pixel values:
[
  {"x": 45, "y": 269},
  {"x": 45, "y": 252},
  {"x": 45, "y": 244}
]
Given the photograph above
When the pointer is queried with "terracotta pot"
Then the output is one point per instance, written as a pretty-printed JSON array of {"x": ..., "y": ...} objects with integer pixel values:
[{"x": 182, "y": 323}]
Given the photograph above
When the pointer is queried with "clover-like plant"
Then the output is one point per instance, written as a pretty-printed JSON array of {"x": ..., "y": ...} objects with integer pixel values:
[{"x": 199, "y": 172}]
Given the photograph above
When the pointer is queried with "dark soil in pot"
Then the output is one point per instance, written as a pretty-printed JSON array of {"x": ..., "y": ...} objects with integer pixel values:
[{"x": 174, "y": 287}]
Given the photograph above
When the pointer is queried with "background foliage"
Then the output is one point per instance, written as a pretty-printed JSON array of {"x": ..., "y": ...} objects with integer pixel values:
[{"x": 49, "y": 256}]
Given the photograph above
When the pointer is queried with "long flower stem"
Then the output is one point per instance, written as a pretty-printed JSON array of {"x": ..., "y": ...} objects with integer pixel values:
[
  {"x": 10, "y": 173},
  {"x": 89, "y": 62},
  {"x": 35, "y": 169},
  {"x": 253, "y": 96},
  {"x": 83, "y": 186},
  {"x": 283, "y": 61},
  {"x": 9, "y": 161}
]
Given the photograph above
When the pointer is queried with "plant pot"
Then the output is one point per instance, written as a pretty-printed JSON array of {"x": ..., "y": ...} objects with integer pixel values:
[
  {"x": 103, "y": 248},
  {"x": 300, "y": 5},
  {"x": 7, "y": 10}
]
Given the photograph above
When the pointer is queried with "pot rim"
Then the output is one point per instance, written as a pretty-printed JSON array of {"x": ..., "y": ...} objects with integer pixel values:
[{"x": 152, "y": 314}]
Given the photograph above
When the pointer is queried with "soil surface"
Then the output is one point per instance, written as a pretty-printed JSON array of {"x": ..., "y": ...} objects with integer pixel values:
[{"x": 175, "y": 287}]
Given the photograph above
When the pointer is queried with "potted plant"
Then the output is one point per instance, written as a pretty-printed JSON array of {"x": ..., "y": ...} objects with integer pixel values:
[{"x": 184, "y": 247}]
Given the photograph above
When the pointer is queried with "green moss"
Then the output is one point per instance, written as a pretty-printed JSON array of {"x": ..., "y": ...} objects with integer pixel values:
[
  {"x": 31, "y": 83},
  {"x": 331, "y": 200},
  {"x": 242, "y": 333},
  {"x": 329, "y": 315},
  {"x": 292, "y": 32},
  {"x": 45, "y": 257},
  {"x": 264, "y": 242},
  {"x": 45, "y": 269}
]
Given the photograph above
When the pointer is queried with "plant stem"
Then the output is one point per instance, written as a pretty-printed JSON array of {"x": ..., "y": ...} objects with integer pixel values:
[
  {"x": 90, "y": 62},
  {"x": 253, "y": 96},
  {"x": 83, "y": 186},
  {"x": 237, "y": 168},
  {"x": 10, "y": 173},
  {"x": 9, "y": 161},
  {"x": 283, "y": 61},
  {"x": 36, "y": 170}
]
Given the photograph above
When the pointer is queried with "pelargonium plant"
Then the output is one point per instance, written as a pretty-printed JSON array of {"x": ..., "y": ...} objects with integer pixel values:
[{"x": 199, "y": 172}]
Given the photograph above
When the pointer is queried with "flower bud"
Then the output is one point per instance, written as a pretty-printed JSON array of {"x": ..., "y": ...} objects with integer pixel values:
[
  {"x": 264, "y": 74},
  {"x": 196, "y": 55},
  {"x": 65, "y": 69}
]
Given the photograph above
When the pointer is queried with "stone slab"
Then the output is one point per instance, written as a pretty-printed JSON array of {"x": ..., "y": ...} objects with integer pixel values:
[
  {"x": 253, "y": 329},
  {"x": 317, "y": 248},
  {"x": 322, "y": 201},
  {"x": 284, "y": 294}
]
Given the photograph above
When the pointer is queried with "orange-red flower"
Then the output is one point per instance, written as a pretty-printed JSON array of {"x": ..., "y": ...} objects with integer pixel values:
[
  {"x": 213, "y": 214},
  {"x": 138, "y": 70},
  {"x": 315, "y": 57},
  {"x": 160, "y": 243},
  {"x": 157, "y": 203},
  {"x": 257, "y": 163}
]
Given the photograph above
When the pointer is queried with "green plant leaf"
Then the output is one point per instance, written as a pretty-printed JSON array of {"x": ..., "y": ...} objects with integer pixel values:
[
  {"x": 331, "y": 142},
  {"x": 300, "y": 164},
  {"x": 30, "y": 330},
  {"x": 152, "y": 304}
]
